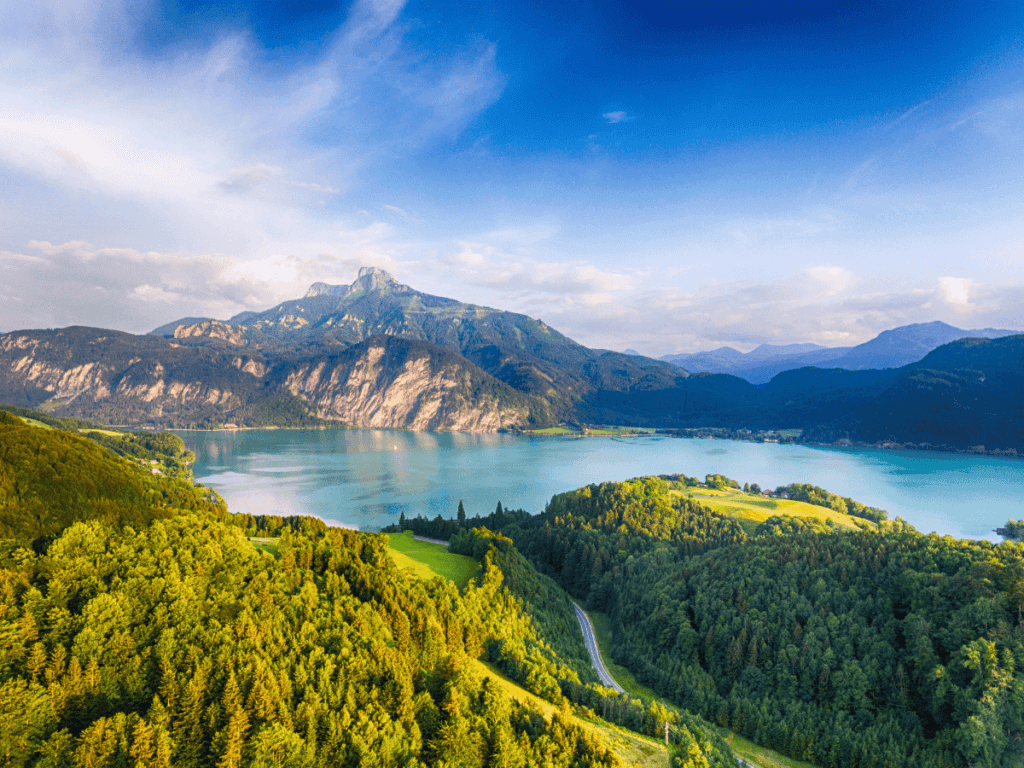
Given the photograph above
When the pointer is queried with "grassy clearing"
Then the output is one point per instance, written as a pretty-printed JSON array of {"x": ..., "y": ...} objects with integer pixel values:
[
  {"x": 426, "y": 560},
  {"x": 33, "y": 423},
  {"x": 748, "y": 750},
  {"x": 108, "y": 432},
  {"x": 761, "y": 757},
  {"x": 634, "y": 750},
  {"x": 591, "y": 431},
  {"x": 750, "y": 511},
  {"x": 267, "y": 545}
]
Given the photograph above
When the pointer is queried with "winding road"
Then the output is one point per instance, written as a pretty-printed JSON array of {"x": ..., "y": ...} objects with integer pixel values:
[{"x": 595, "y": 657}]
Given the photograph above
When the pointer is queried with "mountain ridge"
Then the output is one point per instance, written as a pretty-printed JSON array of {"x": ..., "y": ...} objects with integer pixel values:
[{"x": 892, "y": 348}]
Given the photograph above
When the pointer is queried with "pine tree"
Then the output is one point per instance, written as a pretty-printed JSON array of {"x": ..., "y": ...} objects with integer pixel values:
[
  {"x": 234, "y": 740},
  {"x": 462, "y": 514},
  {"x": 143, "y": 749}
]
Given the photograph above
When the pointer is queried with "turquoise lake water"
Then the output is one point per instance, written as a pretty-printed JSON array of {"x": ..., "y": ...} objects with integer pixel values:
[{"x": 366, "y": 478}]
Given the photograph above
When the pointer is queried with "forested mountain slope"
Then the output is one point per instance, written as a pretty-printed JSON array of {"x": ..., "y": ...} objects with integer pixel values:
[
  {"x": 173, "y": 641},
  {"x": 863, "y": 648},
  {"x": 50, "y": 479},
  {"x": 966, "y": 393}
]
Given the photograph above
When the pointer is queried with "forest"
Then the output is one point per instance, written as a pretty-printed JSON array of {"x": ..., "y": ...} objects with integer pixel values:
[
  {"x": 149, "y": 631},
  {"x": 879, "y": 647}
]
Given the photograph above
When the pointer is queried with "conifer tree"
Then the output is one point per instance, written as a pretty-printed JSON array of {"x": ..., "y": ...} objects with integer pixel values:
[{"x": 234, "y": 740}]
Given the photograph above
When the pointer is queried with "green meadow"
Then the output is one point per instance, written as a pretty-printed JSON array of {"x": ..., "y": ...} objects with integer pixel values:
[
  {"x": 426, "y": 560},
  {"x": 750, "y": 511}
]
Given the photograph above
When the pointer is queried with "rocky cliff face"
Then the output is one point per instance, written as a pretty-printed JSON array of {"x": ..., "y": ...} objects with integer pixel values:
[
  {"x": 392, "y": 383},
  {"x": 210, "y": 329},
  {"x": 119, "y": 378},
  {"x": 384, "y": 382}
]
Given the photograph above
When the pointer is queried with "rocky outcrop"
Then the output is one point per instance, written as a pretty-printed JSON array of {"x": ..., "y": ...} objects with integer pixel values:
[
  {"x": 119, "y": 378},
  {"x": 390, "y": 383},
  {"x": 385, "y": 382},
  {"x": 369, "y": 279},
  {"x": 210, "y": 329}
]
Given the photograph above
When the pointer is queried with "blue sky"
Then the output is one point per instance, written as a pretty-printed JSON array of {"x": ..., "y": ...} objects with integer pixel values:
[{"x": 656, "y": 175}]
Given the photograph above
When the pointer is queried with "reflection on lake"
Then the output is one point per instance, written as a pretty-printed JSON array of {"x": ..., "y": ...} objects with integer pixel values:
[{"x": 366, "y": 478}]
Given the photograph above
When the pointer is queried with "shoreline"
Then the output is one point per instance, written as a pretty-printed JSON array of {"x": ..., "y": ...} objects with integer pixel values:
[{"x": 691, "y": 433}]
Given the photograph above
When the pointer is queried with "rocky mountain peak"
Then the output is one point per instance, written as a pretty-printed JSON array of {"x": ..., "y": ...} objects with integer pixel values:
[
  {"x": 374, "y": 279},
  {"x": 368, "y": 279}
]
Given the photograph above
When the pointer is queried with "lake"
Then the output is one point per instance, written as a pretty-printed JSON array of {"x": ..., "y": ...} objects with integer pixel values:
[{"x": 365, "y": 478}]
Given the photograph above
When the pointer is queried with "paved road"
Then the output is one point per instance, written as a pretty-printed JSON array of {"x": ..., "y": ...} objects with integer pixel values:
[
  {"x": 431, "y": 541},
  {"x": 591, "y": 642},
  {"x": 595, "y": 657}
]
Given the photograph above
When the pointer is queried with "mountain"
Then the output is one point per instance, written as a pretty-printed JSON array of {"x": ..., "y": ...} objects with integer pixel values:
[
  {"x": 115, "y": 377},
  {"x": 890, "y": 349},
  {"x": 965, "y": 394},
  {"x": 380, "y": 354},
  {"x": 908, "y": 344},
  {"x": 518, "y": 350}
]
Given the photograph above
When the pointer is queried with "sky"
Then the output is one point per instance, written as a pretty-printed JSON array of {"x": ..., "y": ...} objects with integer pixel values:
[{"x": 662, "y": 176}]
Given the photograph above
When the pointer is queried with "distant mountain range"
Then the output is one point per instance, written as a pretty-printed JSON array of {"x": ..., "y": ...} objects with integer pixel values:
[
  {"x": 377, "y": 353},
  {"x": 890, "y": 349}
]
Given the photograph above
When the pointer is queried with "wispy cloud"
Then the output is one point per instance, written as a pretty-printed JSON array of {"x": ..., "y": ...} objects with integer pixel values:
[
  {"x": 216, "y": 144},
  {"x": 151, "y": 288},
  {"x": 617, "y": 116}
]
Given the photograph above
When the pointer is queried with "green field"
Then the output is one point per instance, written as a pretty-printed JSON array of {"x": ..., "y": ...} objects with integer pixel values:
[
  {"x": 759, "y": 756},
  {"x": 750, "y": 511},
  {"x": 267, "y": 545},
  {"x": 108, "y": 432},
  {"x": 34, "y": 423},
  {"x": 748, "y": 750},
  {"x": 426, "y": 560}
]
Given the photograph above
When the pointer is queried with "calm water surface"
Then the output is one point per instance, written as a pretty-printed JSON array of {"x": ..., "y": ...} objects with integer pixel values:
[{"x": 366, "y": 478}]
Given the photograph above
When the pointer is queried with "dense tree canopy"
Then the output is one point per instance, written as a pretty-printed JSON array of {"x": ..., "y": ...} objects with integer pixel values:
[
  {"x": 50, "y": 479},
  {"x": 140, "y": 627},
  {"x": 856, "y": 649}
]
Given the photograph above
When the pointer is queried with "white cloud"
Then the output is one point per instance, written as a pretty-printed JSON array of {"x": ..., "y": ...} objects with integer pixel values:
[
  {"x": 485, "y": 266},
  {"x": 75, "y": 283},
  {"x": 617, "y": 116},
  {"x": 832, "y": 279},
  {"x": 146, "y": 292},
  {"x": 956, "y": 291}
]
